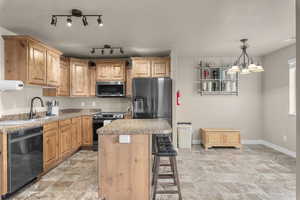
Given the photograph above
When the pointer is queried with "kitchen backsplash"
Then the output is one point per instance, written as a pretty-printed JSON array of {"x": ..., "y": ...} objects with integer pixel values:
[{"x": 15, "y": 102}]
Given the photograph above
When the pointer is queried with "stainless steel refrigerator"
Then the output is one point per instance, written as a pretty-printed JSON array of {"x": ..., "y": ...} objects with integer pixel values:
[{"x": 152, "y": 98}]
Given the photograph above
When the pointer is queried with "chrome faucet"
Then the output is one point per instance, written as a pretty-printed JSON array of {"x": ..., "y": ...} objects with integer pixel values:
[{"x": 32, "y": 114}]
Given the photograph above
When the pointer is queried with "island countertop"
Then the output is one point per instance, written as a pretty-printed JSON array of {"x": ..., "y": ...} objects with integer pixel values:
[{"x": 136, "y": 126}]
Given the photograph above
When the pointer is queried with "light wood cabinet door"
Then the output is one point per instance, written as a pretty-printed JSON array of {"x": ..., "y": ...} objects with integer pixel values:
[
  {"x": 124, "y": 169},
  {"x": 103, "y": 71},
  {"x": 160, "y": 67},
  {"x": 92, "y": 71},
  {"x": 231, "y": 139},
  {"x": 215, "y": 138},
  {"x": 65, "y": 140},
  {"x": 53, "y": 69},
  {"x": 117, "y": 71},
  {"x": 87, "y": 130},
  {"x": 76, "y": 133},
  {"x": 51, "y": 147},
  {"x": 128, "y": 82},
  {"x": 141, "y": 68},
  {"x": 64, "y": 83},
  {"x": 37, "y": 64},
  {"x": 79, "y": 78}
]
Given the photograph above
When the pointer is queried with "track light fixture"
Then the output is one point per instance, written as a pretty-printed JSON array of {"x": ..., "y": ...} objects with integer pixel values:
[
  {"x": 108, "y": 48},
  {"x": 76, "y": 13}
]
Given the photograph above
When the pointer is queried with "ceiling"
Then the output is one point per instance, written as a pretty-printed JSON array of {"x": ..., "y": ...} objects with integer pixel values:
[{"x": 154, "y": 27}]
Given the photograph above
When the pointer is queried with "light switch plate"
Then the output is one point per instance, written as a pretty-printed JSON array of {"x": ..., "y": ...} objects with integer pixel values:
[{"x": 124, "y": 139}]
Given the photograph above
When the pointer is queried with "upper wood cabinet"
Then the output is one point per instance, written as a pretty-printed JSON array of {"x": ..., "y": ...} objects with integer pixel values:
[
  {"x": 79, "y": 76},
  {"x": 30, "y": 61},
  {"x": 64, "y": 83},
  {"x": 53, "y": 68},
  {"x": 151, "y": 67},
  {"x": 92, "y": 74},
  {"x": 160, "y": 67},
  {"x": 141, "y": 67},
  {"x": 110, "y": 70},
  {"x": 37, "y": 64}
]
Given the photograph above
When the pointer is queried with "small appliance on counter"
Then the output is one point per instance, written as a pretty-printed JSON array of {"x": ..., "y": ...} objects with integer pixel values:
[{"x": 52, "y": 108}]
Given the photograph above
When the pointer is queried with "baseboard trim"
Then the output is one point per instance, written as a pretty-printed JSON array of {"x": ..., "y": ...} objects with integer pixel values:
[{"x": 263, "y": 142}]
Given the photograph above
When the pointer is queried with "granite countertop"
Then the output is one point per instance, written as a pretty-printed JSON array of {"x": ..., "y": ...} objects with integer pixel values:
[
  {"x": 136, "y": 126},
  {"x": 64, "y": 114}
]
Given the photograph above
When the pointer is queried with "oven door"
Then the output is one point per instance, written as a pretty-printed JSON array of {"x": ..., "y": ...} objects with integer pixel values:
[{"x": 110, "y": 89}]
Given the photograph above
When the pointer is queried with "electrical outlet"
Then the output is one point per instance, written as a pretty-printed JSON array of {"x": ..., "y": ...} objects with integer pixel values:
[
  {"x": 94, "y": 103},
  {"x": 285, "y": 138},
  {"x": 82, "y": 104}
]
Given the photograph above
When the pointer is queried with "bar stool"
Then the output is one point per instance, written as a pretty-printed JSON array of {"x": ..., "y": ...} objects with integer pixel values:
[{"x": 164, "y": 148}]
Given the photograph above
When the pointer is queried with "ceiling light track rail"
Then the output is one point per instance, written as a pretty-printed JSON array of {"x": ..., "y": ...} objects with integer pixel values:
[{"x": 106, "y": 48}]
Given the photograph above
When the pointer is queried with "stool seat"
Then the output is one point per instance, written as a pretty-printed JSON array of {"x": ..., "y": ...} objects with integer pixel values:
[{"x": 166, "y": 150}]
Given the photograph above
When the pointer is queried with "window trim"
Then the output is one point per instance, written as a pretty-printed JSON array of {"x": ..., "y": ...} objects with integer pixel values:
[{"x": 292, "y": 64}]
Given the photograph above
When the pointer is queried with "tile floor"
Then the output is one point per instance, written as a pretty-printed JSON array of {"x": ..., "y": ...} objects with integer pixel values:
[{"x": 254, "y": 173}]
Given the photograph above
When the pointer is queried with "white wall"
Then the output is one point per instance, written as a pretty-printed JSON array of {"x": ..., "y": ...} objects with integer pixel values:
[
  {"x": 277, "y": 121},
  {"x": 13, "y": 102},
  {"x": 242, "y": 112}
]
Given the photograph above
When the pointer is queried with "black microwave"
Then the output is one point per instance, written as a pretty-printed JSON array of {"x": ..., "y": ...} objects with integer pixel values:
[{"x": 110, "y": 89}]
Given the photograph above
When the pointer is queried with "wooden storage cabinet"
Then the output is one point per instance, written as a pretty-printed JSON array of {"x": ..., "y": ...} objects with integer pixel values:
[
  {"x": 128, "y": 82},
  {"x": 110, "y": 70},
  {"x": 124, "y": 168},
  {"x": 65, "y": 137},
  {"x": 50, "y": 144},
  {"x": 150, "y": 67},
  {"x": 87, "y": 130},
  {"x": 220, "y": 138},
  {"x": 3, "y": 164},
  {"x": 64, "y": 83},
  {"x": 79, "y": 75},
  {"x": 92, "y": 74},
  {"x": 76, "y": 133},
  {"x": 30, "y": 61}
]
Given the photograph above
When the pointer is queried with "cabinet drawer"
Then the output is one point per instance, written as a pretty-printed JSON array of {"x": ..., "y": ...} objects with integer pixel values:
[
  {"x": 50, "y": 126},
  {"x": 65, "y": 122}
]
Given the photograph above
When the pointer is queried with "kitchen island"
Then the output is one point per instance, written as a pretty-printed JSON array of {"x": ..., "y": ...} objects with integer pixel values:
[{"x": 124, "y": 159}]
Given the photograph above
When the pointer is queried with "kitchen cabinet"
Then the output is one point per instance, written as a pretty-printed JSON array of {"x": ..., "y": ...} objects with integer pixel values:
[
  {"x": 213, "y": 137},
  {"x": 64, "y": 83},
  {"x": 141, "y": 67},
  {"x": 76, "y": 133},
  {"x": 53, "y": 69},
  {"x": 79, "y": 76},
  {"x": 87, "y": 130},
  {"x": 110, "y": 70},
  {"x": 65, "y": 137},
  {"x": 128, "y": 82},
  {"x": 150, "y": 67},
  {"x": 92, "y": 75},
  {"x": 37, "y": 64},
  {"x": 160, "y": 67},
  {"x": 50, "y": 145},
  {"x": 30, "y": 61}
]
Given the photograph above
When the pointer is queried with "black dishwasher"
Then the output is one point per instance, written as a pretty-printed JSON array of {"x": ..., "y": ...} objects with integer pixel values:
[{"x": 25, "y": 156}]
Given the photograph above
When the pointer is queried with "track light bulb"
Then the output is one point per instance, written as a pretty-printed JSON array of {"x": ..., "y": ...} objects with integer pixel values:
[
  {"x": 69, "y": 22},
  {"x": 111, "y": 51},
  {"x": 102, "y": 51},
  {"x": 93, "y": 51},
  {"x": 99, "y": 20},
  {"x": 84, "y": 21},
  {"x": 121, "y": 51}
]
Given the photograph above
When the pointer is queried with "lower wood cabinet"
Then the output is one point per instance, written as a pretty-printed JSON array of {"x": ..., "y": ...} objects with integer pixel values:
[
  {"x": 76, "y": 133},
  {"x": 50, "y": 144},
  {"x": 3, "y": 164},
  {"x": 65, "y": 137},
  {"x": 212, "y": 137},
  {"x": 87, "y": 131}
]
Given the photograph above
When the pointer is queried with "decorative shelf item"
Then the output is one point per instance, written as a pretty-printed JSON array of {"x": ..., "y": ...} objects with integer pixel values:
[{"x": 215, "y": 80}]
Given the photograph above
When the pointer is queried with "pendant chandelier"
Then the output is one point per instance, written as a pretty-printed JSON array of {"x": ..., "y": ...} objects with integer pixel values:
[{"x": 245, "y": 64}]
